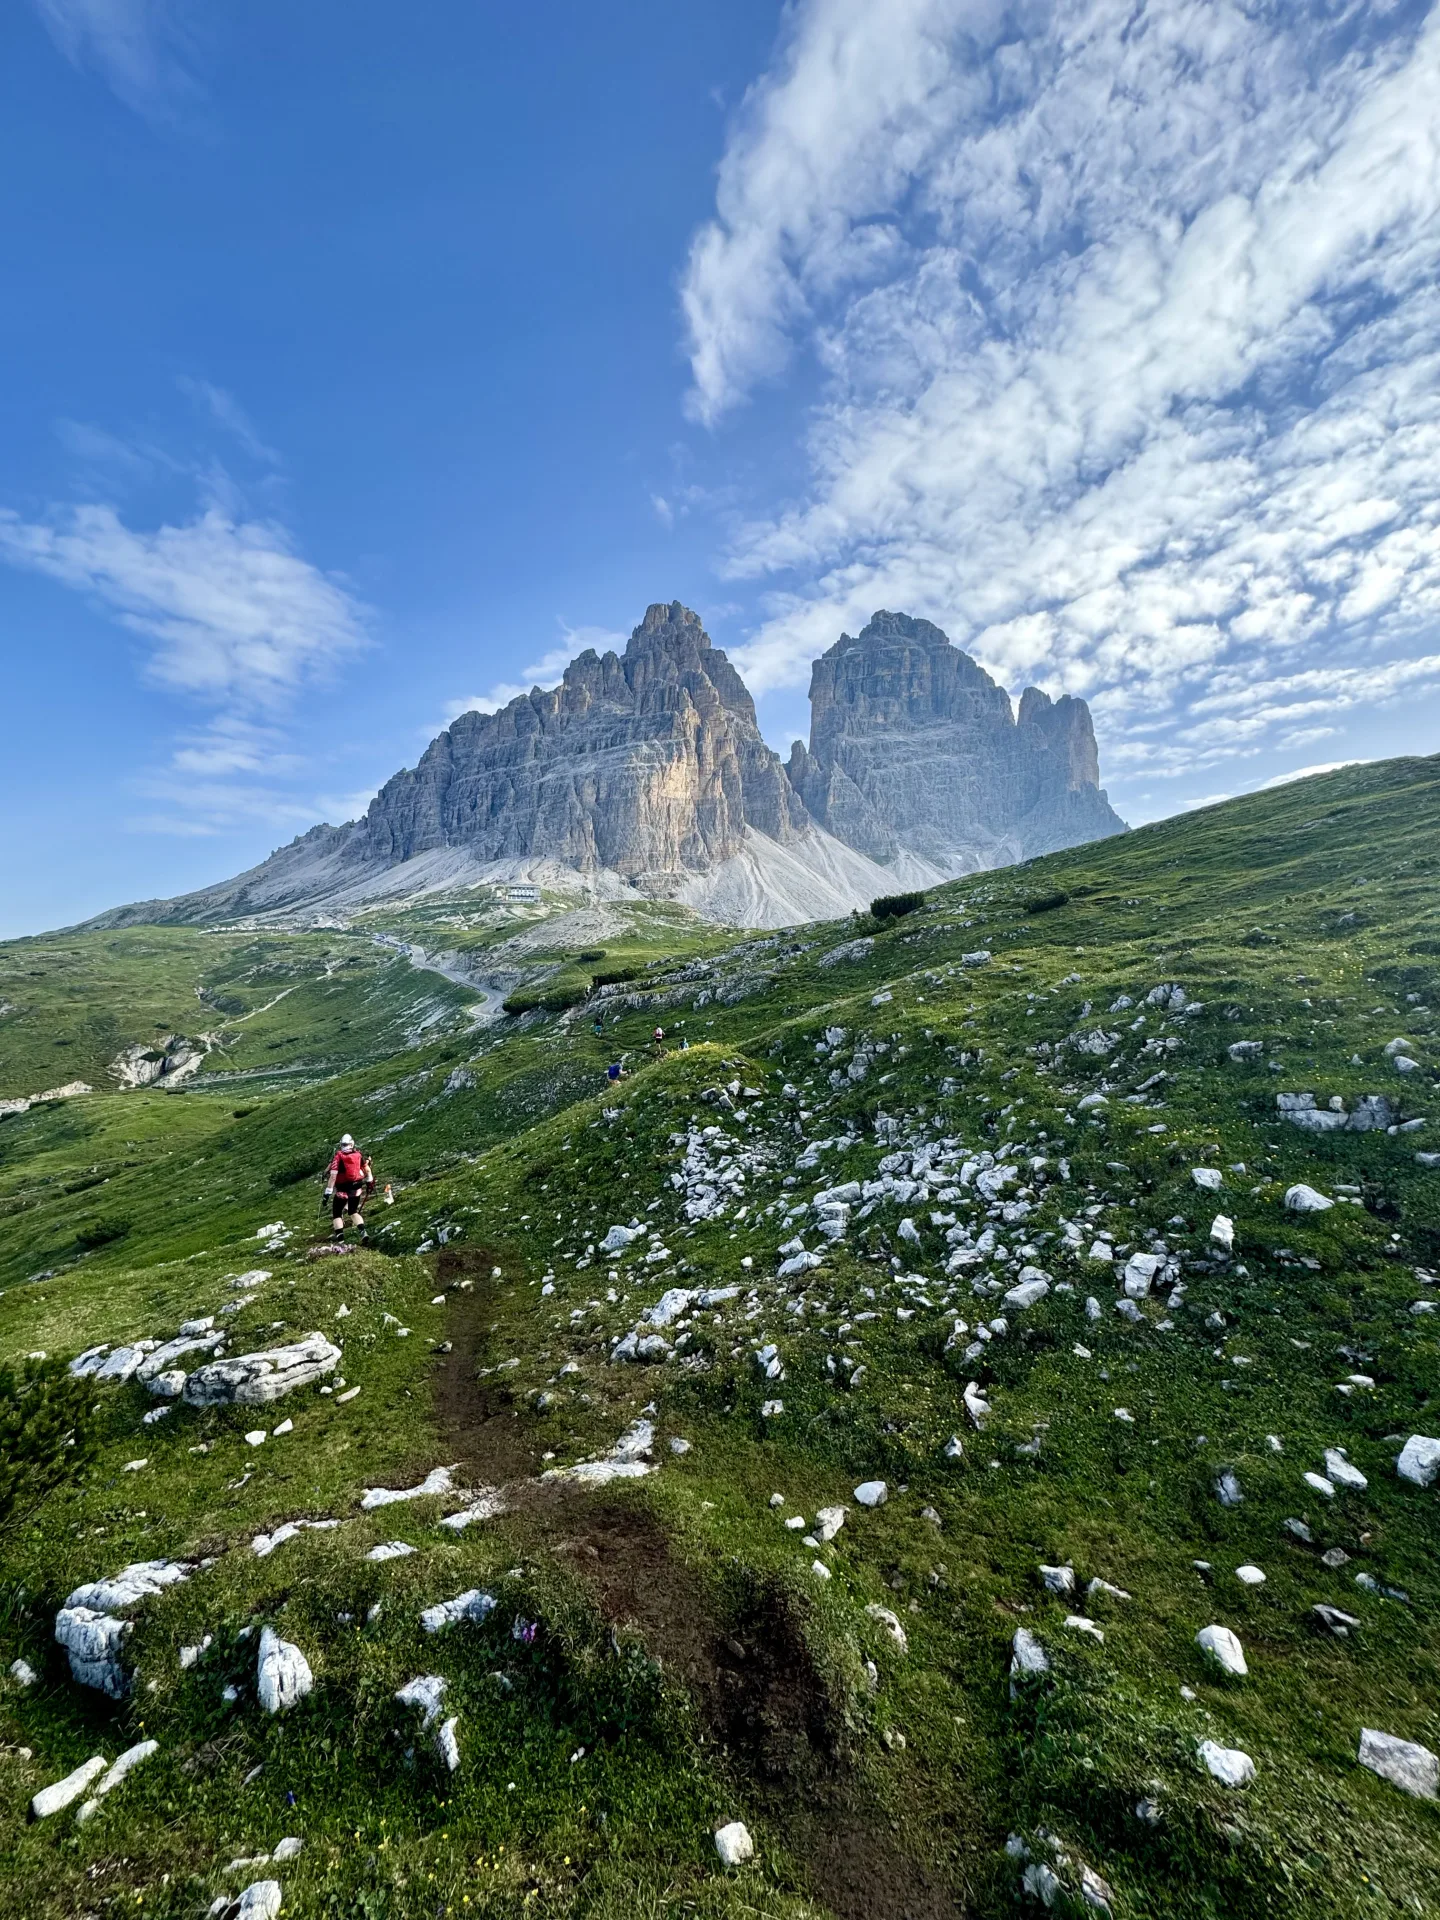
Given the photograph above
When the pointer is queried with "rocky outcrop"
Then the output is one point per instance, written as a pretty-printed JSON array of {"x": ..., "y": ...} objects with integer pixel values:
[
  {"x": 93, "y": 1626},
  {"x": 255, "y": 1379},
  {"x": 914, "y": 749}
]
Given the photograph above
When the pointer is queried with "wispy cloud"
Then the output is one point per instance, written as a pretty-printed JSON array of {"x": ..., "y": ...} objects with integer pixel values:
[
  {"x": 547, "y": 671},
  {"x": 143, "y": 49},
  {"x": 226, "y": 411},
  {"x": 228, "y": 610},
  {"x": 230, "y": 617},
  {"x": 1128, "y": 333}
]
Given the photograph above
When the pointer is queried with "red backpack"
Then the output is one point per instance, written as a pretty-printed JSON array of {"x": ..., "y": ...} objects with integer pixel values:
[{"x": 349, "y": 1167}]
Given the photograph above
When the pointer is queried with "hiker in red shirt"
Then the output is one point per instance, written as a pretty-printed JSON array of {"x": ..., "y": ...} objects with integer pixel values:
[{"x": 347, "y": 1181}]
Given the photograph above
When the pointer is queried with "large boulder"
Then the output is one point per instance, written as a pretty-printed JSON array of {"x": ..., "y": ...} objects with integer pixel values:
[
  {"x": 1419, "y": 1460},
  {"x": 282, "y": 1675},
  {"x": 1404, "y": 1763},
  {"x": 93, "y": 1630},
  {"x": 254, "y": 1379}
]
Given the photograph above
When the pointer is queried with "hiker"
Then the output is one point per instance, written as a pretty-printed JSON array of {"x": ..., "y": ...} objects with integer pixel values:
[
  {"x": 614, "y": 1072},
  {"x": 348, "y": 1179}
]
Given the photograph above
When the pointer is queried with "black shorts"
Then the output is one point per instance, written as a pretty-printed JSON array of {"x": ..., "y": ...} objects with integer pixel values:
[{"x": 346, "y": 1200}]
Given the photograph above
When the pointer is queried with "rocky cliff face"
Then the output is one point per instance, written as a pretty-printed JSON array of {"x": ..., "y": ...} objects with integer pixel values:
[
  {"x": 914, "y": 749},
  {"x": 648, "y": 763}
]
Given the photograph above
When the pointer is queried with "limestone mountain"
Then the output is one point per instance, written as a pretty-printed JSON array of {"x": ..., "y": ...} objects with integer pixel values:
[
  {"x": 646, "y": 773},
  {"x": 648, "y": 763},
  {"x": 914, "y": 750}
]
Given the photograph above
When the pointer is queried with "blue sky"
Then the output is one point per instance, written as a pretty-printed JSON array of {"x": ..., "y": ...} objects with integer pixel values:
[{"x": 359, "y": 363}]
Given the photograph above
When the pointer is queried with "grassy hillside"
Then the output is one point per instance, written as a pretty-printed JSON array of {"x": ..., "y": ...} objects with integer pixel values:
[{"x": 665, "y": 1653}]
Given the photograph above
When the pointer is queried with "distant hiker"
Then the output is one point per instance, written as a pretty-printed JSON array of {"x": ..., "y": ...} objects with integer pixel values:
[
  {"x": 613, "y": 1072},
  {"x": 599, "y": 1026},
  {"x": 348, "y": 1179}
]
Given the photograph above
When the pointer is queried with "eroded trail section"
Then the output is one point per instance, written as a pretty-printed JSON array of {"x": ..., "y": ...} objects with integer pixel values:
[
  {"x": 485, "y": 1430},
  {"x": 761, "y": 1702}
]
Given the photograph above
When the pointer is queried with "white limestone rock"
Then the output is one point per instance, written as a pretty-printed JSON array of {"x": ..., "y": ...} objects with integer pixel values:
[
  {"x": 282, "y": 1676},
  {"x": 1404, "y": 1763},
  {"x": 1419, "y": 1460},
  {"x": 828, "y": 1522},
  {"x": 438, "y": 1480},
  {"x": 261, "y": 1900},
  {"x": 126, "y": 1764},
  {"x": 872, "y": 1493},
  {"x": 264, "y": 1544},
  {"x": 1303, "y": 1199},
  {"x": 472, "y": 1605},
  {"x": 1027, "y": 1657},
  {"x": 734, "y": 1845},
  {"x": 883, "y": 1617},
  {"x": 447, "y": 1744},
  {"x": 426, "y": 1691},
  {"x": 1208, "y": 1179},
  {"x": 1027, "y": 1293},
  {"x": 163, "y": 1359},
  {"x": 1223, "y": 1647},
  {"x": 91, "y": 1625},
  {"x": 55, "y": 1798},
  {"x": 255, "y": 1379},
  {"x": 1222, "y": 1233},
  {"x": 1339, "y": 1471},
  {"x": 488, "y": 1504},
  {"x": 1140, "y": 1271},
  {"x": 1229, "y": 1765}
]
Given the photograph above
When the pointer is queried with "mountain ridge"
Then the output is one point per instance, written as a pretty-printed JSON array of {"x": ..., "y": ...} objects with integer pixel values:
[{"x": 646, "y": 772}]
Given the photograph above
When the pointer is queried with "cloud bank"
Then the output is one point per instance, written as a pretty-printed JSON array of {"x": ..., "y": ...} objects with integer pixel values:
[{"x": 1126, "y": 330}]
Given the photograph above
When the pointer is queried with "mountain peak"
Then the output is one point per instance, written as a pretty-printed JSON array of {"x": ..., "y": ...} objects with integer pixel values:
[
  {"x": 667, "y": 623},
  {"x": 915, "y": 749}
]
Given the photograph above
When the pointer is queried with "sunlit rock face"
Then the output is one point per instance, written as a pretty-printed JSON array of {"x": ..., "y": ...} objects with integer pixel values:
[{"x": 648, "y": 763}]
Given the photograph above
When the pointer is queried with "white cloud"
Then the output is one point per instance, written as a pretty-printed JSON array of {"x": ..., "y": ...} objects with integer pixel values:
[
  {"x": 230, "y": 612},
  {"x": 143, "y": 49},
  {"x": 1306, "y": 773},
  {"x": 1128, "y": 333}
]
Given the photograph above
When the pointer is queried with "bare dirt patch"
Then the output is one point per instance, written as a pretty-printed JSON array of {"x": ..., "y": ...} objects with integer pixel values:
[{"x": 485, "y": 1430}]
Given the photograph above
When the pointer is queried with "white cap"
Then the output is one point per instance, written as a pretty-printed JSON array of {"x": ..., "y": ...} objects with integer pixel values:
[{"x": 346, "y": 1141}]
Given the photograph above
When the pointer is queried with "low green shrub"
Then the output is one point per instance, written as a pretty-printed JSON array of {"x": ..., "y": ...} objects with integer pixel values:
[
  {"x": 891, "y": 906},
  {"x": 102, "y": 1230},
  {"x": 548, "y": 999},
  {"x": 613, "y": 976},
  {"x": 46, "y": 1434}
]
